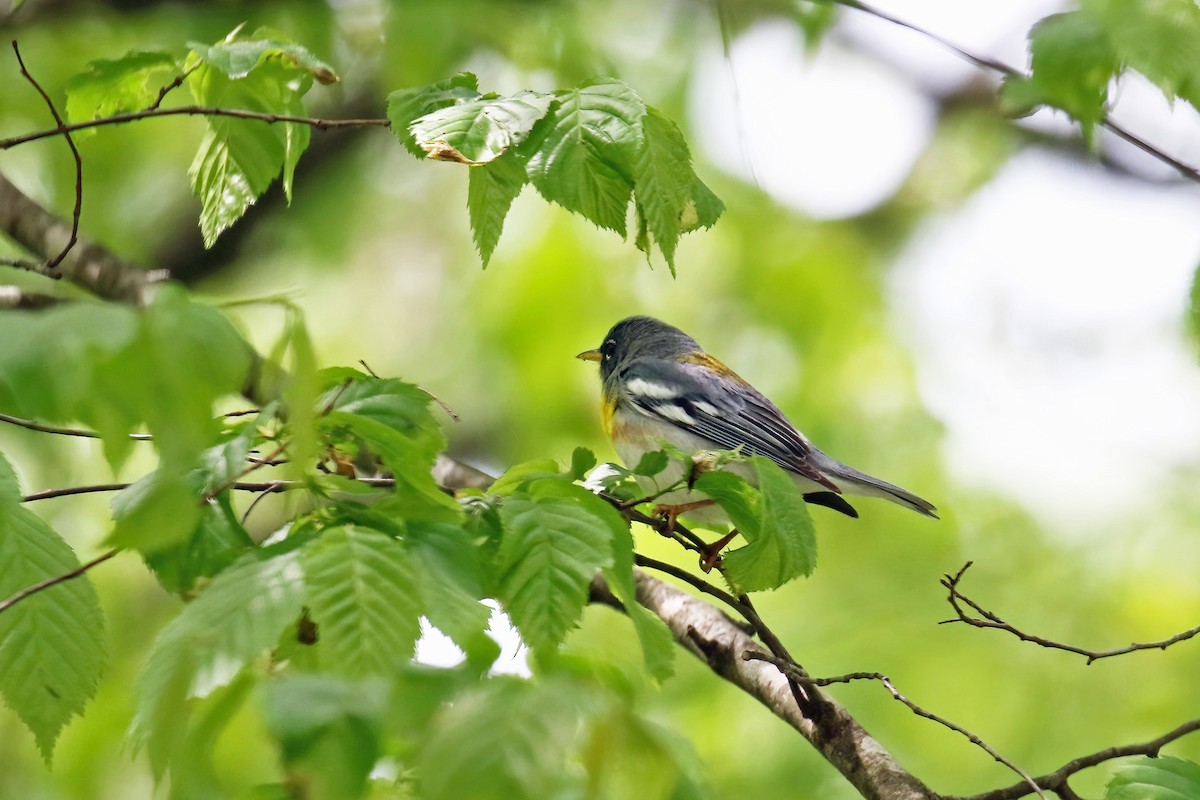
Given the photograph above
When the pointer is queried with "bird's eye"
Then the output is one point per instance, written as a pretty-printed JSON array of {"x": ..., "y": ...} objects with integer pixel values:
[{"x": 607, "y": 349}]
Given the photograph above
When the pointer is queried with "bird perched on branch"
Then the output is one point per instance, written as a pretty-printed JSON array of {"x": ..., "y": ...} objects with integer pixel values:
[{"x": 660, "y": 386}]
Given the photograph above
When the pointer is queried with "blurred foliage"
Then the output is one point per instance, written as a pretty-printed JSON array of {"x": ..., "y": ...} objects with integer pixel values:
[{"x": 375, "y": 252}]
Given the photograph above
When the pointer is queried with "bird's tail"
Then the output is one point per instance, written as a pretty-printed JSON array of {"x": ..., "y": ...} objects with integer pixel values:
[{"x": 853, "y": 481}]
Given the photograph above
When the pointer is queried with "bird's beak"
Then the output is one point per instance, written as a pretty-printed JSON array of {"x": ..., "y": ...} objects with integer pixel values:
[{"x": 590, "y": 355}]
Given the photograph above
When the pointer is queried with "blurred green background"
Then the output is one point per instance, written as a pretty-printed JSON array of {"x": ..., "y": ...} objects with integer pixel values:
[{"x": 825, "y": 310}]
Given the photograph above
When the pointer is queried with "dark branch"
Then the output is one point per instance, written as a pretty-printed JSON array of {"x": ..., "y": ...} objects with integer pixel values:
[
  {"x": 57, "y": 579},
  {"x": 1057, "y": 781},
  {"x": 52, "y": 263},
  {"x": 983, "y": 618},
  {"x": 194, "y": 111}
]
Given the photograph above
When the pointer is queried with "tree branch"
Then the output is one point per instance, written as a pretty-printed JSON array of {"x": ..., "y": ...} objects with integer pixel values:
[
  {"x": 719, "y": 642},
  {"x": 983, "y": 618},
  {"x": 57, "y": 579}
]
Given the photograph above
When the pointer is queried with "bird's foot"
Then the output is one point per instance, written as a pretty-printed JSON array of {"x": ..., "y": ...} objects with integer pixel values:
[
  {"x": 710, "y": 556},
  {"x": 671, "y": 512}
]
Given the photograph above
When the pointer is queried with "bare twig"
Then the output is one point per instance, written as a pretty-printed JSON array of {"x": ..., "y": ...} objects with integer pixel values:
[
  {"x": 55, "y": 429},
  {"x": 983, "y": 618},
  {"x": 52, "y": 264},
  {"x": 1057, "y": 781},
  {"x": 28, "y": 591},
  {"x": 790, "y": 669},
  {"x": 195, "y": 111},
  {"x": 170, "y": 87}
]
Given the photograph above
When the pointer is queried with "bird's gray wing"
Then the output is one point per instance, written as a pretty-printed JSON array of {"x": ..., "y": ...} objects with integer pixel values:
[{"x": 719, "y": 407}]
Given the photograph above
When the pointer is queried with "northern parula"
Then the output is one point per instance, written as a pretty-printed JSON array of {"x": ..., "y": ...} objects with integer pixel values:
[{"x": 660, "y": 386}]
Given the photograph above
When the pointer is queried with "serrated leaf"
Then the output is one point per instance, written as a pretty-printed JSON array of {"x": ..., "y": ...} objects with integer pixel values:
[
  {"x": 105, "y": 87},
  {"x": 519, "y": 474},
  {"x": 773, "y": 519},
  {"x": 658, "y": 644},
  {"x": 1072, "y": 66},
  {"x": 491, "y": 190},
  {"x": 1161, "y": 778},
  {"x": 239, "y": 158},
  {"x": 555, "y": 538},
  {"x": 238, "y": 58},
  {"x": 239, "y": 616},
  {"x": 1158, "y": 39},
  {"x": 406, "y": 105},
  {"x": 584, "y": 157},
  {"x": 52, "y": 643},
  {"x": 479, "y": 131},
  {"x": 450, "y": 580},
  {"x": 362, "y": 592},
  {"x": 662, "y": 182}
]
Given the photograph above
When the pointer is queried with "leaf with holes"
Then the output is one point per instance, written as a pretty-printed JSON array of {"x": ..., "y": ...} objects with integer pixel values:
[{"x": 479, "y": 131}]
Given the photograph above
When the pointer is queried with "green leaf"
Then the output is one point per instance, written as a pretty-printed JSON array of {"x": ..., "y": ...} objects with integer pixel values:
[
  {"x": 1161, "y": 778},
  {"x": 1158, "y": 39},
  {"x": 1193, "y": 310},
  {"x": 628, "y": 756},
  {"x": 463, "y": 756},
  {"x": 518, "y": 475},
  {"x": 1072, "y": 66},
  {"x": 237, "y": 59},
  {"x": 479, "y": 131},
  {"x": 585, "y": 154},
  {"x": 52, "y": 643},
  {"x": 239, "y": 158},
  {"x": 556, "y": 535},
  {"x": 408, "y": 105},
  {"x": 662, "y": 182},
  {"x": 652, "y": 463},
  {"x": 329, "y": 730},
  {"x": 241, "y": 614},
  {"x": 105, "y": 88},
  {"x": 217, "y": 541},
  {"x": 773, "y": 519},
  {"x": 658, "y": 644},
  {"x": 582, "y": 461},
  {"x": 361, "y": 590},
  {"x": 156, "y": 514},
  {"x": 491, "y": 190},
  {"x": 450, "y": 580},
  {"x": 392, "y": 419}
]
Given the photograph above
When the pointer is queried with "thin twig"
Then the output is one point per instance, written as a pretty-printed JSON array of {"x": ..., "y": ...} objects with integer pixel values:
[
  {"x": 999, "y": 67},
  {"x": 1057, "y": 780},
  {"x": 57, "y": 579},
  {"x": 195, "y": 111},
  {"x": 52, "y": 265},
  {"x": 238, "y": 486},
  {"x": 55, "y": 429},
  {"x": 792, "y": 672},
  {"x": 983, "y": 618},
  {"x": 170, "y": 87},
  {"x": 690, "y": 579}
]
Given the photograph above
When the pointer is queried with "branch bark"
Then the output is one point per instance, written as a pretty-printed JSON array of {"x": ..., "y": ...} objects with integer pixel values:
[
  {"x": 718, "y": 641},
  {"x": 88, "y": 264}
]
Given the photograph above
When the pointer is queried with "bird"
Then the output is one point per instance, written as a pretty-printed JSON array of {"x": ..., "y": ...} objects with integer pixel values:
[{"x": 659, "y": 385}]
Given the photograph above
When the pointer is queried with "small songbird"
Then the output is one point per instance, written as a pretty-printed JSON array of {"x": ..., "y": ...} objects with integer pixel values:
[{"x": 660, "y": 386}]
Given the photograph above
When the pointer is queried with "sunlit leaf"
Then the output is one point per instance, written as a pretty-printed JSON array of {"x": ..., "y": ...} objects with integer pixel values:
[
  {"x": 52, "y": 643},
  {"x": 479, "y": 131},
  {"x": 105, "y": 88},
  {"x": 584, "y": 159},
  {"x": 1158, "y": 39},
  {"x": 406, "y": 105},
  {"x": 1072, "y": 66}
]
